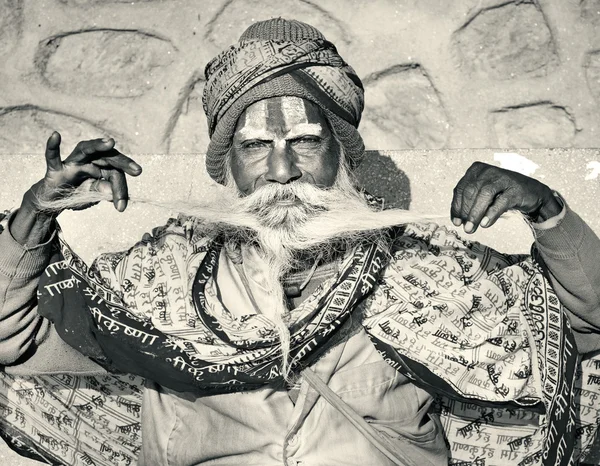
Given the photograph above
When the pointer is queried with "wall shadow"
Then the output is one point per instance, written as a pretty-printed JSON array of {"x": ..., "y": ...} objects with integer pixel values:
[{"x": 380, "y": 176}]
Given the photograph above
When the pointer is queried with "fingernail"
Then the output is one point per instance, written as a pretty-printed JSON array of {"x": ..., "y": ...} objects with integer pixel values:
[
  {"x": 121, "y": 204},
  {"x": 469, "y": 227},
  {"x": 457, "y": 221},
  {"x": 106, "y": 139},
  {"x": 135, "y": 167},
  {"x": 485, "y": 222}
]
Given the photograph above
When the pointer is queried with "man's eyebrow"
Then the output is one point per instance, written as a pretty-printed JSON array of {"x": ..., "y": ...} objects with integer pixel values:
[{"x": 304, "y": 128}]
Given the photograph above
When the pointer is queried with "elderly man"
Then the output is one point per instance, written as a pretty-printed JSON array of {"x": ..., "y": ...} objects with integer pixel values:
[{"x": 294, "y": 322}]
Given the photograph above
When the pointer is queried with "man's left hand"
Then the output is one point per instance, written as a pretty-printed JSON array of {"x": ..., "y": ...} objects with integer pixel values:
[{"x": 485, "y": 192}]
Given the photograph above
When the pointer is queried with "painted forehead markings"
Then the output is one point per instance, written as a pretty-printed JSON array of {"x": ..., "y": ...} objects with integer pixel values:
[
  {"x": 255, "y": 120},
  {"x": 290, "y": 114},
  {"x": 297, "y": 130},
  {"x": 294, "y": 111},
  {"x": 305, "y": 128}
]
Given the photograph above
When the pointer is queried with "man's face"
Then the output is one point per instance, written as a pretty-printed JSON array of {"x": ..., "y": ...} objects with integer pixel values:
[{"x": 281, "y": 140}]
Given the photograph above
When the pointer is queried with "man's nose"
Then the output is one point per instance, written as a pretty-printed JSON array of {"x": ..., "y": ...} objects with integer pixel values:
[{"x": 281, "y": 165}]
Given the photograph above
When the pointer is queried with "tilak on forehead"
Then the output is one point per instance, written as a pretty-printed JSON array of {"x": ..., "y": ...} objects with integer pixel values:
[
  {"x": 278, "y": 58},
  {"x": 289, "y": 116}
]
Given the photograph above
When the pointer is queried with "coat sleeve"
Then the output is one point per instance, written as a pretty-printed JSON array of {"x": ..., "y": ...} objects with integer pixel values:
[
  {"x": 28, "y": 342},
  {"x": 569, "y": 251}
]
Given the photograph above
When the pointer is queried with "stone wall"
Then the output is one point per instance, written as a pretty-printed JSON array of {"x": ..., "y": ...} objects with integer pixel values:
[{"x": 438, "y": 74}]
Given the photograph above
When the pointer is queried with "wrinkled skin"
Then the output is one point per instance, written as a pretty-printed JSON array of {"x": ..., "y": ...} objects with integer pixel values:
[
  {"x": 485, "y": 192},
  {"x": 95, "y": 161},
  {"x": 282, "y": 140}
]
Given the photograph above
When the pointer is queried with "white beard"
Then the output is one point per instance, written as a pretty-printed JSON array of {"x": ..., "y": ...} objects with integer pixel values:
[{"x": 286, "y": 215}]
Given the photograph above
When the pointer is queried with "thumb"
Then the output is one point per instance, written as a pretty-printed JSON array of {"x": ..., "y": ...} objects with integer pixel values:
[{"x": 52, "y": 153}]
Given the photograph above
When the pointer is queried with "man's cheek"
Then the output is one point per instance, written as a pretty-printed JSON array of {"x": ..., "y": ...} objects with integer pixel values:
[{"x": 245, "y": 183}]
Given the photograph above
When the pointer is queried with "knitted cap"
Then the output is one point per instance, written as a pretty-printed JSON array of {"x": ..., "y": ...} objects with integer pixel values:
[
  {"x": 292, "y": 82},
  {"x": 279, "y": 28}
]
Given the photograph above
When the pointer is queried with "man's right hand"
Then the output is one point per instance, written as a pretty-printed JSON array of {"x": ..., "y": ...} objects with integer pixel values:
[{"x": 95, "y": 162}]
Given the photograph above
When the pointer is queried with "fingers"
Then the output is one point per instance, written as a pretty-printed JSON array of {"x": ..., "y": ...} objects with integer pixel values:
[
  {"x": 114, "y": 184},
  {"x": 52, "y": 153},
  {"x": 501, "y": 204},
  {"x": 102, "y": 153},
  {"x": 465, "y": 196},
  {"x": 120, "y": 191},
  {"x": 474, "y": 195},
  {"x": 120, "y": 162},
  {"x": 112, "y": 187},
  {"x": 469, "y": 205},
  {"x": 86, "y": 151},
  {"x": 479, "y": 205}
]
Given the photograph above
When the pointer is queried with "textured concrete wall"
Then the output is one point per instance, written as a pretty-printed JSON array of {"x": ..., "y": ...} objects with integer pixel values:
[{"x": 438, "y": 74}]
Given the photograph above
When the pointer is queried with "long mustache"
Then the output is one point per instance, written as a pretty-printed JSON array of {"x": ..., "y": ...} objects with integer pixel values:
[{"x": 222, "y": 210}]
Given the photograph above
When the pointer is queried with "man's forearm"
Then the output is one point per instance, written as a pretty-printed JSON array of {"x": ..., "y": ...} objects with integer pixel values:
[
  {"x": 571, "y": 253},
  {"x": 29, "y": 226},
  {"x": 20, "y": 269}
]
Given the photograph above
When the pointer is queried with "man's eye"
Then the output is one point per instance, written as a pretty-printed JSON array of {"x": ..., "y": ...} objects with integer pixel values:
[
  {"x": 307, "y": 140},
  {"x": 253, "y": 144}
]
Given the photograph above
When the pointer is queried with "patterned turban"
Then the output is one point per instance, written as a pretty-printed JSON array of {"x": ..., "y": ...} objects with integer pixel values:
[{"x": 276, "y": 58}]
